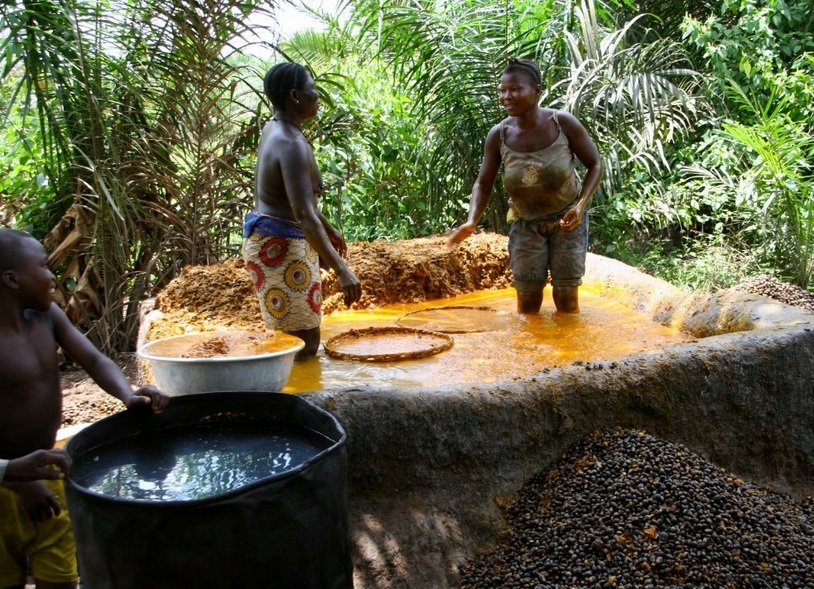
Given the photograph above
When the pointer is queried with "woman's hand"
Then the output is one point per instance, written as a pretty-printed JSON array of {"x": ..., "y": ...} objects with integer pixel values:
[
  {"x": 460, "y": 234},
  {"x": 350, "y": 285},
  {"x": 337, "y": 241},
  {"x": 572, "y": 218}
]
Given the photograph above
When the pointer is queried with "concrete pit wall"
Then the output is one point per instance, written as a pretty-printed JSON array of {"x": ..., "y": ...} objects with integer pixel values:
[{"x": 430, "y": 468}]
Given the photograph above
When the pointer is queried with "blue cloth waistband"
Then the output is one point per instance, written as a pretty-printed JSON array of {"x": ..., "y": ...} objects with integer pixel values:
[{"x": 268, "y": 226}]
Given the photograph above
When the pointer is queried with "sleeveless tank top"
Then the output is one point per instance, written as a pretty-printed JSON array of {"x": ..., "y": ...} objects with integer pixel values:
[{"x": 542, "y": 183}]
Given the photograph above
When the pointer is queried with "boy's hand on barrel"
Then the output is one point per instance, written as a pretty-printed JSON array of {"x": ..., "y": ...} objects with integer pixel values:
[
  {"x": 39, "y": 465},
  {"x": 148, "y": 395}
]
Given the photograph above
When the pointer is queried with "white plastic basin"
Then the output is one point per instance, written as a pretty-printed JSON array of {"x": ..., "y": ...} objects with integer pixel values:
[{"x": 182, "y": 373}]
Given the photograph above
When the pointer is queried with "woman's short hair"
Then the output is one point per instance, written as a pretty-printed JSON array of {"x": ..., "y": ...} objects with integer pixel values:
[
  {"x": 11, "y": 241},
  {"x": 282, "y": 79},
  {"x": 525, "y": 66}
]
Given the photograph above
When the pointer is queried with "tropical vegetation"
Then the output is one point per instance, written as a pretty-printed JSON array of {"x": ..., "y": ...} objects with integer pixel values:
[{"x": 130, "y": 129}]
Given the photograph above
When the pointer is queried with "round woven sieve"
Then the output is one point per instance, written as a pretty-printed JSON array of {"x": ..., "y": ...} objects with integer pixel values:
[
  {"x": 458, "y": 319},
  {"x": 387, "y": 344}
]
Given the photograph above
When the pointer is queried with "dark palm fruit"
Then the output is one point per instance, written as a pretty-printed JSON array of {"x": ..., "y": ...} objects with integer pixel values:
[{"x": 625, "y": 509}]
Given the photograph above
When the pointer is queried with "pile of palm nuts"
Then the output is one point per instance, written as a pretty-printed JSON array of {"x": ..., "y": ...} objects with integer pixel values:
[
  {"x": 625, "y": 509},
  {"x": 784, "y": 292}
]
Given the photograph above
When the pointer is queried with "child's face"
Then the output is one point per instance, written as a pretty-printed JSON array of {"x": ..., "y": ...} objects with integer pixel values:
[{"x": 35, "y": 280}]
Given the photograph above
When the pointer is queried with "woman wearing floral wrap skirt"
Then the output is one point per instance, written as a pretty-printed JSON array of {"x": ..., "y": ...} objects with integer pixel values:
[{"x": 286, "y": 237}]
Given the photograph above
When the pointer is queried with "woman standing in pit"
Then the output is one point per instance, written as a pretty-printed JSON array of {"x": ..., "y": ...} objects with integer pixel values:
[
  {"x": 538, "y": 148},
  {"x": 286, "y": 235}
]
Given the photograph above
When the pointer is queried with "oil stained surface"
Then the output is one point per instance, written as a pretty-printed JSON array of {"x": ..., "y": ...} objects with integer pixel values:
[
  {"x": 604, "y": 330},
  {"x": 195, "y": 462}
]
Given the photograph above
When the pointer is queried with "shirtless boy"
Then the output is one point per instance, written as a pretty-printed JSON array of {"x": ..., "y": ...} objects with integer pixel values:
[{"x": 35, "y": 533}]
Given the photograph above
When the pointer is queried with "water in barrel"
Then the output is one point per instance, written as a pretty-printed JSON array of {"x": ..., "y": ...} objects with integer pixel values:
[{"x": 197, "y": 461}]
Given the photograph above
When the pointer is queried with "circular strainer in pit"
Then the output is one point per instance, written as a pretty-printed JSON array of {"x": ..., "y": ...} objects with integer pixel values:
[
  {"x": 458, "y": 319},
  {"x": 387, "y": 344}
]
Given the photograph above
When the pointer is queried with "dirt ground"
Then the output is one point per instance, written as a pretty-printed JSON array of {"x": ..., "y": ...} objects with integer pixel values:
[{"x": 204, "y": 298}]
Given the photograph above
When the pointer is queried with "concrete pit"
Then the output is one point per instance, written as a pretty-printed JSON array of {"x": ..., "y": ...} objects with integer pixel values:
[{"x": 432, "y": 469}]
